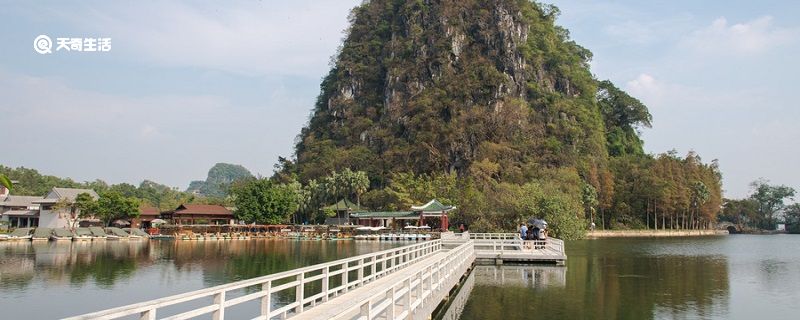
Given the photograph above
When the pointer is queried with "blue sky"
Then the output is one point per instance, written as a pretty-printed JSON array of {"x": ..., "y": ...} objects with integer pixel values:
[{"x": 189, "y": 84}]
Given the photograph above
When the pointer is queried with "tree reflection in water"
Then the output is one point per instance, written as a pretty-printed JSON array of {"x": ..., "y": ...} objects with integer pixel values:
[
  {"x": 103, "y": 263},
  {"x": 606, "y": 280}
]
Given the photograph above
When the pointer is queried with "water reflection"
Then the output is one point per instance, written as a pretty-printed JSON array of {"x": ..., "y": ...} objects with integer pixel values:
[
  {"x": 538, "y": 277},
  {"x": 114, "y": 273},
  {"x": 607, "y": 279},
  {"x": 69, "y": 263}
]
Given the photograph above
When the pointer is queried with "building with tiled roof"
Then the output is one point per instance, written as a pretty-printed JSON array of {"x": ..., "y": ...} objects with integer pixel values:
[{"x": 190, "y": 214}]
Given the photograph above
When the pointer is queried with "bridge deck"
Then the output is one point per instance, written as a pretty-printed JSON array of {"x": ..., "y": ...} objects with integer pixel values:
[
  {"x": 403, "y": 283},
  {"x": 339, "y": 307},
  {"x": 508, "y": 247}
]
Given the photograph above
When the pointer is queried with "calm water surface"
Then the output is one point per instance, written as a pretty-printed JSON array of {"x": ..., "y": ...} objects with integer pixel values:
[
  {"x": 730, "y": 277},
  {"x": 51, "y": 280},
  {"x": 733, "y": 277}
]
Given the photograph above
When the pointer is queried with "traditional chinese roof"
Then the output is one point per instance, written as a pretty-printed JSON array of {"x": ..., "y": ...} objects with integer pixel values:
[
  {"x": 433, "y": 206},
  {"x": 345, "y": 205},
  {"x": 202, "y": 209},
  {"x": 385, "y": 214},
  {"x": 18, "y": 201},
  {"x": 21, "y": 213},
  {"x": 145, "y": 210},
  {"x": 66, "y": 193}
]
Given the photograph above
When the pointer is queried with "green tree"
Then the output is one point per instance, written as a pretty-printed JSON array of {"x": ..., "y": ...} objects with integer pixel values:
[
  {"x": 360, "y": 184},
  {"x": 5, "y": 182},
  {"x": 742, "y": 212},
  {"x": 622, "y": 114},
  {"x": 700, "y": 196},
  {"x": 589, "y": 199},
  {"x": 112, "y": 206},
  {"x": 263, "y": 201},
  {"x": 792, "y": 217},
  {"x": 771, "y": 200}
]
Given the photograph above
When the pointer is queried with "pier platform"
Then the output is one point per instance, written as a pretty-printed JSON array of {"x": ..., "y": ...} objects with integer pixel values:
[{"x": 409, "y": 282}]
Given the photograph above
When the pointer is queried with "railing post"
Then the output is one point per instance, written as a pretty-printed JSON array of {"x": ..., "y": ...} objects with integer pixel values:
[
  {"x": 392, "y": 314},
  {"x": 299, "y": 292},
  {"x": 360, "y": 272},
  {"x": 408, "y": 296},
  {"x": 325, "y": 283},
  {"x": 385, "y": 257},
  {"x": 266, "y": 299},
  {"x": 148, "y": 315},
  {"x": 219, "y": 299},
  {"x": 366, "y": 310},
  {"x": 345, "y": 280},
  {"x": 419, "y": 286},
  {"x": 430, "y": 279},
  {"x": 374, "y": 268}
]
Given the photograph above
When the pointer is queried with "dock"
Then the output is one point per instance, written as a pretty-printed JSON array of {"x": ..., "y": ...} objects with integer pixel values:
[
  {"x": 409, "y": 282},
  {"x": 499, "y": 248}
]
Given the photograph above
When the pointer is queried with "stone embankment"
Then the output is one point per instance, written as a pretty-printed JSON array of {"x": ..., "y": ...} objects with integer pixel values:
[{"x": 652, "y": 233}]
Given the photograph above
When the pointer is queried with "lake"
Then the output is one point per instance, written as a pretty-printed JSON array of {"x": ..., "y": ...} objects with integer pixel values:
[
  {"x": 48, "y": 280},
  {"x": 727, "y": 277}
]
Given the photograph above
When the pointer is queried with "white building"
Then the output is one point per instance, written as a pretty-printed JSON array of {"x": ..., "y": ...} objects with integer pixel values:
[
  {"x": 50, "y": 218},
  {"x": 19, "y": 211}
]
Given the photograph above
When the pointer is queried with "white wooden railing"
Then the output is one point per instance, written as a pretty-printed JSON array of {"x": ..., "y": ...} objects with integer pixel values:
[
  {"x": 494, "y": 236},
  {"x": 501, "y": 242},
  {"x": 334, "y": 278},
  {"x": 413, "y": 295},
  {"x": 418, "y": 293},
  {"x": 555, "y": 244}
]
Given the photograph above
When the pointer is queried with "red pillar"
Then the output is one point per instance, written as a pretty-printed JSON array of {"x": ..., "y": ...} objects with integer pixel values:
[{"x": 444, "y": 221}]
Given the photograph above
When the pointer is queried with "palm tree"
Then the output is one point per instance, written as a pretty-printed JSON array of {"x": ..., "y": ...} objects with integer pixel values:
[
  {"x": 360, "y": 185},
  {"x": 5, "y": 182},
  {"x": 332, "y": 189}
]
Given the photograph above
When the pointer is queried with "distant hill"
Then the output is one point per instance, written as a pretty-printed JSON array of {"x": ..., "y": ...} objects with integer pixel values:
[{"x": 219, "y": 179}]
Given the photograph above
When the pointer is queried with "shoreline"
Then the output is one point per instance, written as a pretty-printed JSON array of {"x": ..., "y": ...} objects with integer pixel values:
[{"x": 598, "y": 234}]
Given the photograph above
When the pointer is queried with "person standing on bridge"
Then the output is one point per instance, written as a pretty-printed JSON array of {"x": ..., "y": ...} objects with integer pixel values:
[{"x": 523, "y": 231}]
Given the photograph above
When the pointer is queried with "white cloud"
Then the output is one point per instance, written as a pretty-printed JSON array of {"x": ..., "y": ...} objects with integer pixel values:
[
  {"x": 660, "y": 94},
  {"x": 252, "y": 38},
  {"x": 752, "y": 37},
  {"x": 645, "y": 85}
]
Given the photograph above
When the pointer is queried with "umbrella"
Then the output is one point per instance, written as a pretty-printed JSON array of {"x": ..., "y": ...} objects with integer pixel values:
[
  {"x": 122, "y": 222},
  {"x": 425, "y": 227},
  {"x": 411, "y": 227},
  {"x": 158, "y": 221}
]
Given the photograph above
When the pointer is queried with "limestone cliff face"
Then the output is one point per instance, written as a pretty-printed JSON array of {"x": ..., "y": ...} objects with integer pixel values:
[{"x": 437, "y": 86}]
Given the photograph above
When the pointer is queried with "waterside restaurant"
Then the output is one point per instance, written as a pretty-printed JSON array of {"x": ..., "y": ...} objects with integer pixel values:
[
  {"x": 191, "y": 214},
  {"x": 146, "y": 215},
  {"x": 433, "y": 214}
]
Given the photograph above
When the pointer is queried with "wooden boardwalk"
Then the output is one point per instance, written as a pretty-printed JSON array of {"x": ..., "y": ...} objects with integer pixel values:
[
  {"x": 409, "y": 282},
  {"x": 499, "y": 248}
]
